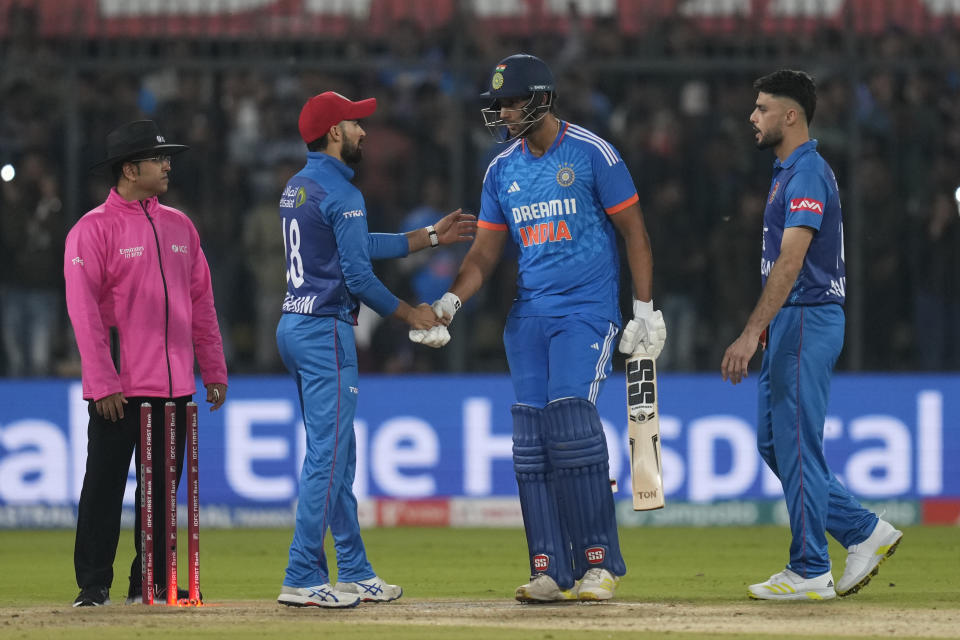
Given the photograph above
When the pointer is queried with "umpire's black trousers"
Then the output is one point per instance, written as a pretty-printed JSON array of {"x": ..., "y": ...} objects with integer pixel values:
[{"x": 109, "y": 447}]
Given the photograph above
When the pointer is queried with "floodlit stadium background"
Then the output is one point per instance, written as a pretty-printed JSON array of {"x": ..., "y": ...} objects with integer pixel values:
[{"x": 667, "y": 82}]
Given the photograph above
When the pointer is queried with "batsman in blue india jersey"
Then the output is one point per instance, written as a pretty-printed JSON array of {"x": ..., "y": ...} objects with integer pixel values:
[
  {"x": 560, "y": 193},
  {"x": 328, "y": 251},
  {"x": 800, "y": 320}
]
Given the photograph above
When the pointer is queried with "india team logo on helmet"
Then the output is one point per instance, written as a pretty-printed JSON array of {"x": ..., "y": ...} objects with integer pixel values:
[
  {"x": 518, "y": 76},
  {"x": 565, "y": 175},
  {"x": 497, "y": 81}
]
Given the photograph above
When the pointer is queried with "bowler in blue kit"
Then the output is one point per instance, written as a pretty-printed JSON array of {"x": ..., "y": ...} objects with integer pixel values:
[
  {"x": 327, "y": 250},
  {"x": 560, "y": 193},
  {"x": 800, "y": 319}
]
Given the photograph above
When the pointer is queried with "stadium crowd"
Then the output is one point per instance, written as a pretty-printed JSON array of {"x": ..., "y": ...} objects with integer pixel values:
[{"x": 888, "y": 121}]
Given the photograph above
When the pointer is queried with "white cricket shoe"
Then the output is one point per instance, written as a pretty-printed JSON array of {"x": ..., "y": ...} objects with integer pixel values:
[
  {"x": 543, "y": 588},
  {"x": 320, "y": 596},
  {"x": 598, "y": 584},
  {"x": 371, "y": 590},
  {"x": 788, "y": 585},
  {"x": 864, "y": 559}
]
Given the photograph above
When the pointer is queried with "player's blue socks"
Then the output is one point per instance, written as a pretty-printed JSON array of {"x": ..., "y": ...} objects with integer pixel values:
[
  {"x": 577, "y": 450},
  {"x": 545, "y": 541}
]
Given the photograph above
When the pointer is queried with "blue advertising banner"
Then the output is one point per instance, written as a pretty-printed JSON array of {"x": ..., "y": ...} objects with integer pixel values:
[{"x": 886, "y": 437}]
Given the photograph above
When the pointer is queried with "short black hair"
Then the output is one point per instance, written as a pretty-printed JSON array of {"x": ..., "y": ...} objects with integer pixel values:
[
  {"x": 788, "y": 83},
  {"x": 319, "y": 144},
  {"x": 116, "y": 169}
]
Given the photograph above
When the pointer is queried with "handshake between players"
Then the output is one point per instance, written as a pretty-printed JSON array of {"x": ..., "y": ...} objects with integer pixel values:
[{"x": 645, "y": 334}]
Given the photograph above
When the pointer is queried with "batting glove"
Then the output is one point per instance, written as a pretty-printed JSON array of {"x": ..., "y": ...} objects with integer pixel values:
[
  {"x": 448, "y": 305},
  {"x": 435, "y": 337},
  {"x": 646, "y": 333}
]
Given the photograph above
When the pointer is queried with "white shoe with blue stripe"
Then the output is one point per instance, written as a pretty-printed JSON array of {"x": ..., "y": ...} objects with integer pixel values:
[
  {"x": 322, "y": 595},
  {"x": 371, "y": 590}
]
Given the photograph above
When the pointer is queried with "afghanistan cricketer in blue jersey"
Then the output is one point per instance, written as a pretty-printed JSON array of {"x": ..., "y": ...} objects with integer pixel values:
[
  {"x": 800, "y": 319},
  {"x": 328, "y": 250},
  {"x": 559, "y": 192}
]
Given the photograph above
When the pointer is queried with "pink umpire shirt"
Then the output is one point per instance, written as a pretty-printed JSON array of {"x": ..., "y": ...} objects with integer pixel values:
[{"x": 138, "y": 266}]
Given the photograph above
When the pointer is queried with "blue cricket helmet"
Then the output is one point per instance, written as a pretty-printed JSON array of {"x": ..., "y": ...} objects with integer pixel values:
[{"x": 519, "y": 75}]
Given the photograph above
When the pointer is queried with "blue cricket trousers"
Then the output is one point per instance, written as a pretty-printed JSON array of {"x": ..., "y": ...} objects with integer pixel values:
[
  {"x": 803, "y": 347},
  {"x": 553, "y": 358},
  {"x": 321, "y": 355}
]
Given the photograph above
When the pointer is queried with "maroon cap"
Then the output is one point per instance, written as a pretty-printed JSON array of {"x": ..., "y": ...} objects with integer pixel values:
[{"x": 327, "y": 109}]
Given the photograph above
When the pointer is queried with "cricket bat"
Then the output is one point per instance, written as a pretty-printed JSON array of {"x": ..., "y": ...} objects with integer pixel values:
[{"x": 644, "y": 433}]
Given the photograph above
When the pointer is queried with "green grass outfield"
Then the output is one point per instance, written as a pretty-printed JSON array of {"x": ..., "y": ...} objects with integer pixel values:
[{"x": 459, "y": 583}]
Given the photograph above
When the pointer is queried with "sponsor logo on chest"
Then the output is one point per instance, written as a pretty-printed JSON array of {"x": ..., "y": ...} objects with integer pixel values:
[
  {"x": 549, "y": 230},
  {"x": 544, "y": 209},
  {"x": 131, "y": 252}
]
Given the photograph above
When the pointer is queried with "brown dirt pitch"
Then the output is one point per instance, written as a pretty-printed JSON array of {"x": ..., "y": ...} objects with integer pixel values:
[{"x": 451, "y": 618}]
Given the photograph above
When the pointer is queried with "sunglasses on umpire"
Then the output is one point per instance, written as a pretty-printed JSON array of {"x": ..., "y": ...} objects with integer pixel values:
[{"x": 158, "y": 158}]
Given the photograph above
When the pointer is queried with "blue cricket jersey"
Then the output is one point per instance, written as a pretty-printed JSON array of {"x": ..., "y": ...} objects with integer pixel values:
[
  {"x": 804, "y": 192},
  {"x": 327, "y": 247},
  {"x": 556, "y": 209}
]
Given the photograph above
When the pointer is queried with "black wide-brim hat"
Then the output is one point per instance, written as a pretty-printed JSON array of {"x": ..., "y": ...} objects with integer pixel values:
[{"x": 137, "y": 139}]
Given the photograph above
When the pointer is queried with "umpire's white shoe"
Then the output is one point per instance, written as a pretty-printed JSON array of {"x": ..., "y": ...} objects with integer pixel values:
[
  {"x": 788, "y": 585},
  {"x": 543, "y": 588},
  {"x": 598, "y": 584},
  {"x": 864, "y": 559},
  {"x": 322, "y": 595},
  {"x": 371, "y": 590}
]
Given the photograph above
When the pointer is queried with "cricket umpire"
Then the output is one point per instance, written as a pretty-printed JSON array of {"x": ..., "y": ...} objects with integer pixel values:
[{"x": 140, "y": 301}]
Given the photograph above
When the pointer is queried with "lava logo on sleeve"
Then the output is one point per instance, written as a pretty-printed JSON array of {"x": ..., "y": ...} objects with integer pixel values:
[{"x": 806, "y": 204}]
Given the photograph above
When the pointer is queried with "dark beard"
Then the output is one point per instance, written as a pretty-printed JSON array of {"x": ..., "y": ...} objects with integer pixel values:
[
  {"x": 769, "y": 141},
  {"x": 533, "y": 128},
  {"x": 351, "y": 153}
]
